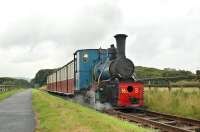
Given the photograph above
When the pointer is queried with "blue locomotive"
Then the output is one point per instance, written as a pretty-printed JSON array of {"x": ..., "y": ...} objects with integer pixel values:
[{"x": 103, "y": 75}]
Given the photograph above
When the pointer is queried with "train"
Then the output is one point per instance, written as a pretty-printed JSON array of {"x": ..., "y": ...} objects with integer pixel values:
[{"x": 100, "y": 75}]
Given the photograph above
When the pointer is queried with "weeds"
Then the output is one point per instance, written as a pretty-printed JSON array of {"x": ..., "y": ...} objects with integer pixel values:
[
  {"x": 58, "y": 115},
  {"x": 182, "y": 102}
]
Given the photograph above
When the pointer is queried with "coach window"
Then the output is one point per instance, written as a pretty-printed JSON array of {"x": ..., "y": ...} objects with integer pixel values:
[{"x": 85, "y": 57}]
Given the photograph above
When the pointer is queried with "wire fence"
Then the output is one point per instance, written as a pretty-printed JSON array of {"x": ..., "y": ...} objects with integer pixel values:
[
  {"x": 171, "y": 82},
  {"x": 4, "y": 88}
]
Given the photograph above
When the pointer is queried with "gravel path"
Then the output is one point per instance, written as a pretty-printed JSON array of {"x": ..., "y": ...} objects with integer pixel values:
[{"x": 16, "y": 113}]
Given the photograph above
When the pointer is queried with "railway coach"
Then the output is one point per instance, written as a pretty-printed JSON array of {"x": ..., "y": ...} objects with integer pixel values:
[{"x": 103, "y": 75}]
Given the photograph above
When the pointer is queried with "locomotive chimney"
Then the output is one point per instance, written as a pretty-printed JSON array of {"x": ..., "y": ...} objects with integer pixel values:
[{"x": 121, "y": 41}]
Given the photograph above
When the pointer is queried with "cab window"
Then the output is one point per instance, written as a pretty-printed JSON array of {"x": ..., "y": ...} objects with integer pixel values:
[{"x": 85, "y": 57}]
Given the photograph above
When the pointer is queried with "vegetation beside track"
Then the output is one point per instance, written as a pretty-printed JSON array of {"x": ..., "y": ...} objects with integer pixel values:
[
  {"x": 8, "y": 93},
  {"x": 19, "y": 83},
  {"x": 182, "y": 102},
  {"x": 58, "y": 115}
]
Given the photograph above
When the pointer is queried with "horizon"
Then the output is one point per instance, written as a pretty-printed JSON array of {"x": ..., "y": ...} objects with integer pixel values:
[{"x": 29, "y": 79}]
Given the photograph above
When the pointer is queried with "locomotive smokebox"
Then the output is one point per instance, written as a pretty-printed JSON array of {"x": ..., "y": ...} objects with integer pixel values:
[{"x": 121, "y": 41}]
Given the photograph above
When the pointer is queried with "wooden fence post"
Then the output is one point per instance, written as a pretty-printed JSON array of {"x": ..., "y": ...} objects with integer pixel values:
[
  {"x": 149, "y": 84},
  {"x": 169, "y": 86},
  {"x": 199, "y": 84},
  {"x": 198, "y": 76},
  {"x": 199, "y": 81}
]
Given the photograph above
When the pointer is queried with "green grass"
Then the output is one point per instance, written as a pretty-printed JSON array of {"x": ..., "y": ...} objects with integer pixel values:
[
  {"x": 58, "y": 115},
  {"x": 178, "y": 102},
  {"x": 6, "y": 94}
]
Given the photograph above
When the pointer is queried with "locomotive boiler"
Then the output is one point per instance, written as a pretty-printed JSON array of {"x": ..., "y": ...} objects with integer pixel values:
[{"x": 106, "y": 73}]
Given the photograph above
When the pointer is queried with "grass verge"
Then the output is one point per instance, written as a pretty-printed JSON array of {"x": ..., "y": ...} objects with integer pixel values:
[
  {"x": 6, "y": 94},
  {"x": 178, "y": 102},
  {"x": 58, "y": 115}
]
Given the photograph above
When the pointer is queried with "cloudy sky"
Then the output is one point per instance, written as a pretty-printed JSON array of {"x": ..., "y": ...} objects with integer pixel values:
[{"x": 37, "y": 34}]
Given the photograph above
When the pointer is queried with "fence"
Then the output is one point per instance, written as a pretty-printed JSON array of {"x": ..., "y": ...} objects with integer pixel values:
[
  {"x": 4, "y": 88},
  {"x": 169, "y": 82}
]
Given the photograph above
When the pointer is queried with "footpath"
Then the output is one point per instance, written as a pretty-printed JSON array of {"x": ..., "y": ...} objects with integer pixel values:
[{"x": 16, "y": 113}]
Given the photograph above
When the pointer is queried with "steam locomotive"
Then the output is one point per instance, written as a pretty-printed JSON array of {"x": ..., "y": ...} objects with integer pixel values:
[{"x": 100, "y": 75}]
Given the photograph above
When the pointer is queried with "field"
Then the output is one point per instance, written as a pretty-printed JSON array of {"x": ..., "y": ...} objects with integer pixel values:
[
  {"x": 58, "y": 115},
  {"x": 6, "y": 94},
  {"x": 182, "y": 102}
]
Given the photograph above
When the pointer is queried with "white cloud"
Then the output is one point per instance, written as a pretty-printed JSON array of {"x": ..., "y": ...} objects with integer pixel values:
[{"x": 36, "y": 34}]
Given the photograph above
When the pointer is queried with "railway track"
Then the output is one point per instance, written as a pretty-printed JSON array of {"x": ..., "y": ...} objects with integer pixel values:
[{"x": 163, "y": 122}]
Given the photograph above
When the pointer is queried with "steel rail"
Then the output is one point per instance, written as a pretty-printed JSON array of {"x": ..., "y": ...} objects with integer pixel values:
[
  {"x": 188, "y": 121},
  {"x": 159, "y": 121}
]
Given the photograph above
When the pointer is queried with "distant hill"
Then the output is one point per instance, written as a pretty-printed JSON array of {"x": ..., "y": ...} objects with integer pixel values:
[
  {"x": 141, "y": 72},
  {"x": 13, "y": 81},
  {"x": 41, "y": 77},
  {"x": 147, "y": 72},
  {"x": 24, "y": 78}
]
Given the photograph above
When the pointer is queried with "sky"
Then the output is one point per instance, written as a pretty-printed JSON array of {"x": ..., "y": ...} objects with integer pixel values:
[{"x": 44, "y": 34}]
